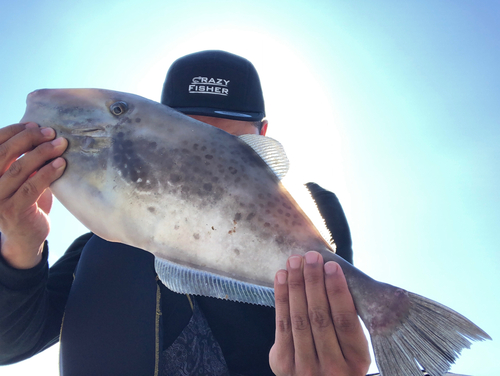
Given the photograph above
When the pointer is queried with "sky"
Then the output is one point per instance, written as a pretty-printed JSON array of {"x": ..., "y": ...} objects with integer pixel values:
[{"x": 392, "y": 105}]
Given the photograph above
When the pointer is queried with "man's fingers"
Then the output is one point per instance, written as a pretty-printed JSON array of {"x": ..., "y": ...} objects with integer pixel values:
[
  {"x": 305, "y": 352},
  {"x": 325, "y": 339},
  {"x": 16, "y": 177},
  {"x": 282, "y": 354},
  {"x": 16, "y": 143},
  {"x": 11, "y": 130},
  {"x": 34, "y": 187},
  {"x": 350, "y": 334}
]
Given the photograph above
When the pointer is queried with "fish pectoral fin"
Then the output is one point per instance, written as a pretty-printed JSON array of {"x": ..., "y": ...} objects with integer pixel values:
[
  {"x": 187, "y": 280},
  {"x": 270, "y": 150}
]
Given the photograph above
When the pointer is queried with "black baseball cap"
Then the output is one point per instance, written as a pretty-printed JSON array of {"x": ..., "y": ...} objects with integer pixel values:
[{"x": 214, "y": 83}]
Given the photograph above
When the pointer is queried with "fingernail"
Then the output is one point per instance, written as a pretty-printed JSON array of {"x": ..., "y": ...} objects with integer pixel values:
[
  {"x": 331, "y": 267},
  {"x": 312, "y": 257},
  {"x": 58, "y": 163},
  {"x": 295, "y": 262},
  {"x": 47, "y": 132},
  {"x": 281, "y": 276},
  {"x": 31, "y": 125},
  {"x": 58, "y": 141}
]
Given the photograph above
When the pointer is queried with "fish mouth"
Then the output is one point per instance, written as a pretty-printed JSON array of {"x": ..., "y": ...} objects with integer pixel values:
[
  {"x": 90, "y": 140},
  {"x": 94, "y": 131}
]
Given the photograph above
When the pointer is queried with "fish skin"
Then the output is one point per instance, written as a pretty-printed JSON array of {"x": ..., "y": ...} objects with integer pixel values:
[
  {"x": 147, "y": 166},
  {"x": 197, "y": 196}
]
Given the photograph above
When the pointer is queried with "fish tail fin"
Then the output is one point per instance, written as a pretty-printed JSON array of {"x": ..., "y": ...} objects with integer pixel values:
[{"x": 430, "y": 336}]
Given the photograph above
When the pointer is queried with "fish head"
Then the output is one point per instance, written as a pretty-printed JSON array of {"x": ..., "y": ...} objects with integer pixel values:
[
  {"x": 88, "y": 118},
  {"x": 106, "y": 132}
]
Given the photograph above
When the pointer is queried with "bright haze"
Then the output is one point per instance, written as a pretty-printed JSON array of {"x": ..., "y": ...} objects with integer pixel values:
[{"x": 393, "y": 105}]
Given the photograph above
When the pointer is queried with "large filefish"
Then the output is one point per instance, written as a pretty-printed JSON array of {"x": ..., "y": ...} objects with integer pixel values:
[{"x": 212, "y": 210}]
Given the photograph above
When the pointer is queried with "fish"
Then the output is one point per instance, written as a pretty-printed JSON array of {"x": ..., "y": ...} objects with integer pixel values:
[{"x": 211, "y": 208}]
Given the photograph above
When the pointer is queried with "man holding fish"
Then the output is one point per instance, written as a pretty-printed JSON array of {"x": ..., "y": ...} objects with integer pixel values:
[{"x": 118, "y": 319}]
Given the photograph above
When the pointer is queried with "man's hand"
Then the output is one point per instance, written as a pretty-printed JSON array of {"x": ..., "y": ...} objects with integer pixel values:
[
  {"x": 27, "y": 168},
  {"x": 317, "y": 328}
]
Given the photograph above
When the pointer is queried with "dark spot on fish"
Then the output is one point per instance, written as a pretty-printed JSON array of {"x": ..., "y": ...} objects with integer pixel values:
[
  {"x": 203, "y": 148},
  {"x": 185, "y": 151},
  {"x": 267, "y": 224},
  {"x": 287, "y": 215},
  {"x": 215, "y": 179},
  {"x": 237, "y": 180},
  {"x": 280, "y": 239},
  {"x": 196, "y": 236},
  {"x": 250, "y": 216},
  {"x": 151, "y": 209},
  {"x": 137, "y": 120},
  {"x": 237, "y": 216},
  {"x": 152, "y": 145},
  {"x": 213, "y": 228},
  {"x": 209, "y": 156},
  {"x": 175, "y": 178},
  {"x": 207, "y": 187},
  {"x": 271, "y": 204},
  {"x": 268, "y": 211},
  {"x": 195, "y": 146},
  {"x": 237, "y": 251},
  {"x": 134, "y": 176},
  {"x": 176, "y": 227},
  {"x": 276, "y": 226}
]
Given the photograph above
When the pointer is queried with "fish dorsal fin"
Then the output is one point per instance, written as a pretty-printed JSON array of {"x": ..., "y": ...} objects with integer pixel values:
[{"x": 270, "y": 150}]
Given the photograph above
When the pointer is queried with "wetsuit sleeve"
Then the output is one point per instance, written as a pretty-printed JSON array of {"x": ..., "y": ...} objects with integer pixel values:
[
  {"x": 32, "y": 303},
  {"x": 330, "y": 209}
]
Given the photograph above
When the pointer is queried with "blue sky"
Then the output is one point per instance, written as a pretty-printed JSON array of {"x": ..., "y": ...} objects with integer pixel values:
[{"x": 393, "y": 105}]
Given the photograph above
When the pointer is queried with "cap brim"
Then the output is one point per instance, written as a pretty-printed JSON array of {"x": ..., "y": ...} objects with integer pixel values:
[{"x": 244, "y": 116}]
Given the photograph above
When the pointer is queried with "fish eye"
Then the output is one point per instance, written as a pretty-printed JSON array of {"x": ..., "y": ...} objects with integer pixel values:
[{"x": 118, "y": 108}]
